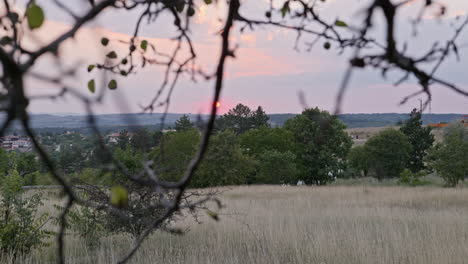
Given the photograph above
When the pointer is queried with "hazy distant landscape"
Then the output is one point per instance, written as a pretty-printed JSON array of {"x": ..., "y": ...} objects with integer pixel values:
[{"x": 117, "y": 122}]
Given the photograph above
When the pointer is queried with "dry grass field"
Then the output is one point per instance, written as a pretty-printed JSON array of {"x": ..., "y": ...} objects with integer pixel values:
[{"x": 335, "y": 224}]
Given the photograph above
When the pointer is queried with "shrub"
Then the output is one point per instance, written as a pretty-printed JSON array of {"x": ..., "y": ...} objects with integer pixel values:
[
  {"x": 88, "y": 223},
  {"x": 21, "y": 230},
  {"x": 407, "y": 177},
  {"x": 276, "y": 167},
  {"x": 359, "y": 161},
  {"x": 450, "y": 159}
]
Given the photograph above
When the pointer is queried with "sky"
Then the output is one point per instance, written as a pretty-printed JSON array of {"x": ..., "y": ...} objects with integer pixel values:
[{"x": 267, "y": 70}]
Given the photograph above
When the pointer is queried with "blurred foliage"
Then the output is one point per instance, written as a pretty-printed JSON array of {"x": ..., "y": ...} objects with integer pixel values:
[{"x": 21, "y": 228}]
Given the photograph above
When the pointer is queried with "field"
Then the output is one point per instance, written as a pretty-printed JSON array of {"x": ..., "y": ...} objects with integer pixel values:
[{"x": 334, "y": 224}]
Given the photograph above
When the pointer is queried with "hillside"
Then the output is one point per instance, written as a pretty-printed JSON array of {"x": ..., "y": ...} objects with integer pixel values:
[{"x": 46, "y": 122}]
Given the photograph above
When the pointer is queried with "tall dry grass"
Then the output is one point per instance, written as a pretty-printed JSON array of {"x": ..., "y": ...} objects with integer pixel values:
[{"x": 274, "y": 224}]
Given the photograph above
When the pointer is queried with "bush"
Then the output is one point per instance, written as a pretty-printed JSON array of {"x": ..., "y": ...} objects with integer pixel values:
[
  {"x": 359, "y": 161},
  {"x": 224, "y": 163},
  {"x": 389, "y": 152},
  {"x": 450, "y": 159},
  {"x": 276, "y": 167},
  {"x": 88, "y": 223},
  {"x": 141, "y": 208},
  {"x": 407, "y": 177},
  {"x": 20, "y": 228}
]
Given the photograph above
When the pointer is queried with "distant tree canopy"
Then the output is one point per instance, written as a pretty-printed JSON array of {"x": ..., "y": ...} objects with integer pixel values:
[
  {"x": 320, "y": 145},
  {"x": 256, "y": 141},
  {"x": 360, "y": 160},
  {"x": 183, "y": 123},
  {"x": 225, "y": 164},
  {"x": 420, "y": 139},
  {"x": 389, "y": 152},
  {"x": 449, "y": 158},
  {"x": 175, "y": 152},
  {"x": 241, "y": 118},
  {"x": 142, "y": 140}
]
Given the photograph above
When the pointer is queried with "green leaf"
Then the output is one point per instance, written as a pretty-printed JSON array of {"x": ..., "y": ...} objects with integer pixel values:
[
  {"x": 92, "y": 86},
  {"x": 104, "y": 41},
  {"x": 208, "y": 2},
  {"x": 285, "y": 9},
  {"x": 119, "y": 197},
  {"x": 112, "y": 55},
  {"x": 35, "y": 16},
  {"x": 213, "y": 215},
  {"x": 144, "y": 45},
  {"x": 340, "y": 23},
  {"x": 191, "y": 11},
  {"x": 180, "y": 6},
  {"x": 91, "y": 67},
  {"x": 112, "y": 85}
]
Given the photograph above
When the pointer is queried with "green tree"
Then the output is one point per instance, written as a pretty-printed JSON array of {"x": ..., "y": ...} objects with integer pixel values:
[
  {"x": 359, "y": 159},
  {"x": 173, "y": 155},
  {"x": 259, "y": 118},
  {"x": 241, "y": 118},
  {"x": 257, "y": 141},
  {"x": 71, "y": 158},
  {"x": 98, "y": 156},
  {"x": 156, "y": 137},
  {"x": 224, "y": 163},
  {"x": 4, "y": 162},
  {"x": 183, "y": 123},
  {"x": 27, "y": 163},
  {"x": 142, "y": 140},
  {"x": 420, "y": 138},
  {"x": 21, "y": 229},
  {"x": 389, "y": 152},
  {"x": 321, "y": 145},
  {"x": 450, "y": 159},
  {"x": 123, "y": 141},
  {"x": 132, "y": 159},
  {"x": 276, "y": 167}
]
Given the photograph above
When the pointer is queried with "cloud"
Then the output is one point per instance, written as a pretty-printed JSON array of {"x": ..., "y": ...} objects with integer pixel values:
[{"x": 266, "y": 69}]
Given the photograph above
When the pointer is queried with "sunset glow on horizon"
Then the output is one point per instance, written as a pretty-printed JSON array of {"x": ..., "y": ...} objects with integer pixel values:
[{"x": 267, "y": 69}]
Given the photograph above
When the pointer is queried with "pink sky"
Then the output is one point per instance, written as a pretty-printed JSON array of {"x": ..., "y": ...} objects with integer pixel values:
[{"x": 267, "y": 70}]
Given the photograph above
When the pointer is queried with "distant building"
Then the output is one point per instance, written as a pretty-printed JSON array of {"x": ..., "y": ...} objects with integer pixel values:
[
  {"x": 19, "y": 143},
  {"x": 113, "y": 138}
]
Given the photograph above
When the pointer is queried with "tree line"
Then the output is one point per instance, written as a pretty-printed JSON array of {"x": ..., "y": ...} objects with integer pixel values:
[{"x": 312, "y": 147}]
